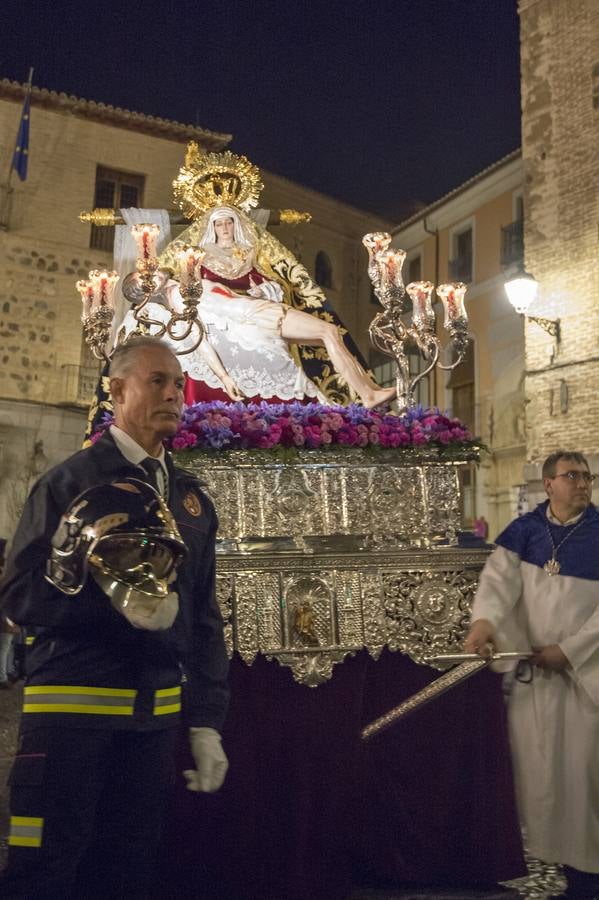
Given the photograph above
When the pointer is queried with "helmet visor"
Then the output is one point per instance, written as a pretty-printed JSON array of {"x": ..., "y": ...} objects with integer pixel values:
[{"x": 139, "y": 560}]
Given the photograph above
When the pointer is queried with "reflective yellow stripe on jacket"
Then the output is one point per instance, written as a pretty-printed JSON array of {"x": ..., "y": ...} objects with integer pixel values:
[
  {"x": 52, "y": 698},
  {"x": 25, "y": 831},
  {"x": 167, "y": 700}
]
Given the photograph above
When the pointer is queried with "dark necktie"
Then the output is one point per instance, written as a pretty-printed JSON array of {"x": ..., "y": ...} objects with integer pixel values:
[{"x": 151, "y": 466}]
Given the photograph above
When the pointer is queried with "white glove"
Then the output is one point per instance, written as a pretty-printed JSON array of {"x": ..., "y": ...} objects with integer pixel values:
[
  {"x": 267, "y": 290},
  {"x": 211, "y": 762},
  {"x": 151, "y": 614},
  {"x": 140, "y": 610}
]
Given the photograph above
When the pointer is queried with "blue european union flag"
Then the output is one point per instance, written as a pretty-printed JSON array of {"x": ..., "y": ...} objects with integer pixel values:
[{"x": 21, "y": 154}]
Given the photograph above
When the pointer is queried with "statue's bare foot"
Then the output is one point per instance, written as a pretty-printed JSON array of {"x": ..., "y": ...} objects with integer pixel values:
[{"x": 378, "y": 397}]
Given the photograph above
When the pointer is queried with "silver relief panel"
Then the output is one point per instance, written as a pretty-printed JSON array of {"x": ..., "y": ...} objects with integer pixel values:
[
  {"x": 309, "y": 611},
  {"x": 387, "y": 497},
  {"x": 338, "y": 551}
]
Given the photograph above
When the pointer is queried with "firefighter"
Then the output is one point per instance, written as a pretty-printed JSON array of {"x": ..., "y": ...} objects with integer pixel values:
[{"x": 113, "y": 566}]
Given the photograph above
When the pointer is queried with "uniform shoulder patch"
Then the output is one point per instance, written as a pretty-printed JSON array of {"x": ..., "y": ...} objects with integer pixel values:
[{"x": 192, "y": 504}]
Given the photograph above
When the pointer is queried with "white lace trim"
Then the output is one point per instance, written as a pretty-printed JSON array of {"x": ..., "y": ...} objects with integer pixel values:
[
  {"x": 258, "y": 361},
  {"x": 255, "y": 381}
]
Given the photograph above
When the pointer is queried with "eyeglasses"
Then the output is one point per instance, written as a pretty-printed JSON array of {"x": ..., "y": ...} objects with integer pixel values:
[{"x": 576, "y": 476}]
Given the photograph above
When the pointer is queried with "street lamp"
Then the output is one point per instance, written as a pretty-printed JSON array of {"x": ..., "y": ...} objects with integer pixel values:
[{"x": 521, "y": 291}]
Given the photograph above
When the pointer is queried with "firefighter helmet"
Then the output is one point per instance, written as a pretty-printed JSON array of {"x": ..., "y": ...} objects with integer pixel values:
[{"x": 124, "y": 533}]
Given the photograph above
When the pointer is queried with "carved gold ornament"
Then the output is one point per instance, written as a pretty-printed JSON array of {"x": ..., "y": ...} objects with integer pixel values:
[
  {"x": 294, "y": 216},
  {"x": 207, "y": 180},
  {"x": 102, "y": 217}
]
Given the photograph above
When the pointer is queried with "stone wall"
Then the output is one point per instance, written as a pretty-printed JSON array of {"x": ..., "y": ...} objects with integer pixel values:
[
  {"x": 33, "y": 437},
  {"x": 560, "y": 137},
  {"x": 40, "y": 329}
]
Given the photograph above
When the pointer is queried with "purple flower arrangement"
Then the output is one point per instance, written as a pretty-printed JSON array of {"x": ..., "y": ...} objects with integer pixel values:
[{"x": 218, "y": 425}]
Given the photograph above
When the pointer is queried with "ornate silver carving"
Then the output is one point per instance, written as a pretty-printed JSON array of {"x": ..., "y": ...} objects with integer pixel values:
[
  {"x": 427, "y": 609},
  {"x": 311, "y": 669},
  {"x": 224, "y": 598},
  {"x": 373, "y": 499},
  {"x": 336, "y": 551},
  {"x": 310, "y": 610}
]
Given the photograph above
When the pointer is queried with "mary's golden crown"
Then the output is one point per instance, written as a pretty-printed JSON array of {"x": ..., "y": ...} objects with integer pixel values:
[{"x": 207, "y": 180}]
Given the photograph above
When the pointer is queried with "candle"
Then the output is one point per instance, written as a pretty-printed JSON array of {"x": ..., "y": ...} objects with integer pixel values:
[
  {"x": 390, "y": 264},
  {"x": 188, "y": 259},
  {"x": 422, "y": 310},
  {"x": 146, "y": 238},
  {"x": 452, "y": 297},
  {"x": 376, "y": 242},
  {"x": 103, "y": 284},
  {"x": 86, "y": 292}
]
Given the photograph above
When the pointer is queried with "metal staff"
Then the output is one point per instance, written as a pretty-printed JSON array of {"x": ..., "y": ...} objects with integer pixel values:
[{"x": 469, "y": 663}]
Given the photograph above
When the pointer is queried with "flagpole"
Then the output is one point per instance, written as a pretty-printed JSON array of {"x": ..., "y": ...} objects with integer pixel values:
[{"x": 6, "y": 204}]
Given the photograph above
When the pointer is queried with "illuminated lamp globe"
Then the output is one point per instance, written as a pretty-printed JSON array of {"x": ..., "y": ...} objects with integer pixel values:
[{"x": 521, "y": 291}]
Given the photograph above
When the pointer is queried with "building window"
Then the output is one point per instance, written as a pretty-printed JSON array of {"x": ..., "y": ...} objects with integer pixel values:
[
  {"x": 383, "y": 368},
  {"x": 417, "y": 365},
  {"x": 460, "y": 265},
  {"x": 89, "y": 374},
  {"x": 461, "y": 384},
  {"x": 384, "y": 371},
  {"x": 414, "y": 269},
  {"x": 467, "y": 480},
  {"x": 518, "y": 206},
  {"x": 114, "y": 190},
  {"x": 323, "y": 270},
  {"x": 595, "y": 83}
]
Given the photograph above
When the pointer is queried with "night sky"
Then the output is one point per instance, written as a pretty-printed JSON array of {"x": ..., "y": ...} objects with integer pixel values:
[{"x": 378, "y": 104}]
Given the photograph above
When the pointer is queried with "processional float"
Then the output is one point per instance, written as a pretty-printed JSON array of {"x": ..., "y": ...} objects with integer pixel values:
[{"x": 322, "y": 552}]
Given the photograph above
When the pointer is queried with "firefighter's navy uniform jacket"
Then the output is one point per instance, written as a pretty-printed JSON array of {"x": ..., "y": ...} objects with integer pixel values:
[{"x": 88, "y": 667}]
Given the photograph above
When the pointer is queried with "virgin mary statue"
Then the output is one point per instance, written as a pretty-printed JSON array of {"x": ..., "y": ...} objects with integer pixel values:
[
  {"x": 270, "y": 333},
  {"x": 252, "y": 322}
]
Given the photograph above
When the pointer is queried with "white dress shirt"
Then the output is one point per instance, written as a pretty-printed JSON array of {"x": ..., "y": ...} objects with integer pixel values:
[{"x": 134, "y": 453}]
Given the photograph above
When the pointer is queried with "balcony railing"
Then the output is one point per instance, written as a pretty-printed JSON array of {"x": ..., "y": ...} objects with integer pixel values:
[
  {"x": 460, "y": 268},
  {"x": 512, "y": 243}
]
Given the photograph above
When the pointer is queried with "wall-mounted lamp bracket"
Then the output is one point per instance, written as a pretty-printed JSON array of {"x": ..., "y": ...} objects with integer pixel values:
[{"x": 551, "y": 326}]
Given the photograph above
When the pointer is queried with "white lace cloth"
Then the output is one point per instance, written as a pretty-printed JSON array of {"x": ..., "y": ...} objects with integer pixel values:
[{"x": 245, "y": 332}]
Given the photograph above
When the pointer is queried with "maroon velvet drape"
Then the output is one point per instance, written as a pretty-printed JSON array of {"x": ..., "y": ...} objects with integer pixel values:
[
  {"x": 436, "y": 794},
  {"x": 307, "y": 809}
]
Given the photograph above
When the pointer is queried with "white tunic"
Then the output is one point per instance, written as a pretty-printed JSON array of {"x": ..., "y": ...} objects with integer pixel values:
[{"x": 554, "y": 720}]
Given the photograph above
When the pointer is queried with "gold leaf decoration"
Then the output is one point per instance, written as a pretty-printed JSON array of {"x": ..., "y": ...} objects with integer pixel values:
[{"x": 207, "y": 180}]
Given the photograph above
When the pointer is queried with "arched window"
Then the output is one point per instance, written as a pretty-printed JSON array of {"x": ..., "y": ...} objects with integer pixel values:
[{"x": 323, "y": 270}]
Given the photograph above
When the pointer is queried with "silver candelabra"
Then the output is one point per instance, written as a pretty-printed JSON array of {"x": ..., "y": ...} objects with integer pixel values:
[{"x": 391, "y": 330}]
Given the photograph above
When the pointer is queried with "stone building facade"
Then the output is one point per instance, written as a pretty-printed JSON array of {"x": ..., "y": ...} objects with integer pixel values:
[
  {"x": 77, "y": 150},
  {"x": 560, "y": 152}
]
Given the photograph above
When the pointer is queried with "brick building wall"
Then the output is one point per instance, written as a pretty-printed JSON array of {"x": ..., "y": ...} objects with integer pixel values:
[{"x": 560, "y": 139}]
